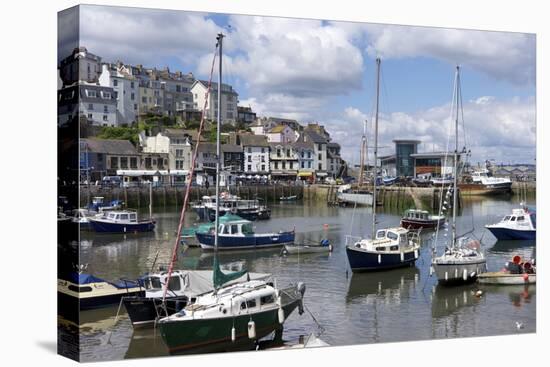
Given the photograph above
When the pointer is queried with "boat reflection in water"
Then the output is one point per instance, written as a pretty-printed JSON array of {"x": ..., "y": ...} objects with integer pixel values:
[
  {"x": 389, "y": 287},
  {"x": 449, "y": 301},
  {"x": 504, "y": 246},
  {"x": 518, "y": 295}
]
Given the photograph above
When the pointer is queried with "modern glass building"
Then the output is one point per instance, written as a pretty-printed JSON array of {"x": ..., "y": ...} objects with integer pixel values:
[{"x": 404, "y": 162}]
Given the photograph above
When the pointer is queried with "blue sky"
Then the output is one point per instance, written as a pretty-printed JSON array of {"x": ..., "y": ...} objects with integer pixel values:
[{"x": 323, "y": 71}]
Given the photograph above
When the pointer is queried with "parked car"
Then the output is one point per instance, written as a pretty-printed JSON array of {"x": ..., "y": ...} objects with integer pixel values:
[{"x": 112, "y": 181}]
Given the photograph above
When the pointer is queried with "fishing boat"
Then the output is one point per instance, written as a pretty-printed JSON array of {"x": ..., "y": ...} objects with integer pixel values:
[
  {"x": 183, "y": 288},
  {"x": 388, "y": 248},
  {"x": 482, "y": 182},
  {"x": 515, "y": 272},
  {"x": 323, "y": 246},
  {"x": 421, "y": 219},
  {"x": 81, "y": 291},
  {"x": 462, "y": 260},
  {"x": 248, "y": 209},
  {"x": 230, "y": 316},
  {"x": 520, "y": 225},
  {"x": 121, "y": 221},
  {"x": 188, "y": 235},
  {"x": 239, "y": 234}
]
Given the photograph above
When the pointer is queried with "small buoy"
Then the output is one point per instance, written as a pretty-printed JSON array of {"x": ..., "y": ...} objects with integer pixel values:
[
  {"x": 233, "y": 336},
  {"x": 526, "y": 277},
  {"x": 379, "y": 259},
  {"x": 281, "y": 315},
  {"x": 478, "y": 293},
  {"x": 325, "y": 226},
  {"x": 465, "y": 275},
  {"x": 251, "y": 330}
]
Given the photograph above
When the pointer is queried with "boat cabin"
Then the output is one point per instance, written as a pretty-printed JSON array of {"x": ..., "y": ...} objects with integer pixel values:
[
  {"x": 414, "y": 214},
  {"x": 519, "y": 218},
  {"x": 122, "y": 216},
  {"x": 154, "y": 284},
  {"x": 236, "y": 228},
  {"x": 390, "y": 239}
]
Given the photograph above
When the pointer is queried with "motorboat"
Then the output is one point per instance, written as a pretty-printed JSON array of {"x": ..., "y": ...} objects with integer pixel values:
[
  {"x": 515, "y": 272},
  {"x": 421, "y": 219},
  {"x": 121, "y": 221},
  {"x": 183, "y": 288},
  {"x": 239, "y": 234},
  {"x": 521, "y": 224}
]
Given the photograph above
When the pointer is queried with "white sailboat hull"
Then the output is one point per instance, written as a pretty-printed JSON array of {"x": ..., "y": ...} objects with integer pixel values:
[{"x": 458, "y": 271}]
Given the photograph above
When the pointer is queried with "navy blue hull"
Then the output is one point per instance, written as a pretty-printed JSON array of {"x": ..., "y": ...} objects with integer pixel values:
[
  {"x": 252, "y": 242},
  {"x": 90, "y": 303},
  {"x": 368, "y": 261},
  {"x": 511, "y": 234},
  {"x": 106, "y": 227}
]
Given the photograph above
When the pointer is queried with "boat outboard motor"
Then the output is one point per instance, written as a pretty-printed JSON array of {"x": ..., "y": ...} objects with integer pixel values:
[{"x": 325, "y": 242}]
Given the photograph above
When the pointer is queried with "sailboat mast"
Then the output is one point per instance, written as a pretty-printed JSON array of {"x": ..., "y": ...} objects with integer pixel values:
[
  {"x": 455, "y": 173},
  {"x": 362, "y": 158},
  {"x": 218, "y": 148},
  {"x": 375, "y": 148}
]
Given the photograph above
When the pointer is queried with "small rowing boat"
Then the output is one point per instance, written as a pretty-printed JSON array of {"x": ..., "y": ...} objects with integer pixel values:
[{"x": 323, "y": 247}]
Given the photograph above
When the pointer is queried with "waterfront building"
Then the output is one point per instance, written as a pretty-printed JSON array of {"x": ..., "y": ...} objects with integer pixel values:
[
  {"x": 401, "y": 162},
  {"x": 103, "y": 157},
  {"x": 96, "y": 103},
  {"x": 80, "y": 66},
  {"x": 256, "y": 153},
  {"x": 229, "y": 100},
  {"x": 334, "y": 160},
  {"x": 305, "y": 152},
  {"x": 126, "y": 89},
  {"x": 433, "y": 164},
  {"x": 320, "y": 152},
  {"x": 151, "y": 99},
  {"x": 283, "y": 161},
  {"x": 233, "y": 158}
]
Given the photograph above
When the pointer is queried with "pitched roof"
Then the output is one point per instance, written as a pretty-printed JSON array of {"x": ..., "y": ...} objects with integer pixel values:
[
  {"x": 253, "y": 140},
  {"x": 231, "y": 148},
  {"x": 277, "y": 129},
  {"x": 301, "y": 145},
  {"x": 109, "y": 146},
  {"x": 315, "y": 137}
]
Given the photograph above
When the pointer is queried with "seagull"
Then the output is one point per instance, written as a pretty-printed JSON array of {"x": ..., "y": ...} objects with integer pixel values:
[{"x": 519, "y": 325}]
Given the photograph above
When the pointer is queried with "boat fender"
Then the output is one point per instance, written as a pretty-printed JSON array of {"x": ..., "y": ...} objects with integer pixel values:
[
  {"x": 456, "y": 272},
  {"x": 330, "y": 248},
  {"x": 446, "y": 276},
  {"x": 465, "y": 275},
  {"x": 281, "y": 315},
  {"x": 473, "y": 274},
  {"x": 415, "y": 254},
  {"x": 301, "y": 288},
  {"x": 402, "y": 256},
  {"x": 526, "y": 277},
  {"x": 233, "y": 336},
  {"x": 431, "y": 270},
  {"x": 379, "y": 259},
  {"x": 251, "y": 330}
]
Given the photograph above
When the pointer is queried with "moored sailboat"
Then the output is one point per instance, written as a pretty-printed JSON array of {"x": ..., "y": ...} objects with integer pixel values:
[
  {"x": 388, "y": 248},
  {"x": 463, "y": 259}
]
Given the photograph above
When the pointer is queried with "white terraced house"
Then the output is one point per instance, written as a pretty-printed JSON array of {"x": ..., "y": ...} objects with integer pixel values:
[{"x": 126, "y": 89}]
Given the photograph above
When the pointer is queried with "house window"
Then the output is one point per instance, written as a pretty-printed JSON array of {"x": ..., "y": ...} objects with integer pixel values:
[
  {"x": 114, "y": 162},
  {"x": 309, "y": 155},
  {"x": 91, "y": 93},
  {"x": 123, "y": 162},
  {"x": 276, "y": 165},
  {"x": 135, "y": 107},
  {"x": 284, "y": 165},
  {"x": 303, "y": 154},
  {"x": 249, "y": 149},
  {"x": 250, "y": 158},
  {"x": 303, "y": 164},
  {"x": 115, "y": 82},
  {"x": 179, "y": 164},
  {"x": 148, "y": 162},
  {"x": 308, "y": 164},
  {"x": 288, "y": 153},
  {"x": 249, "y": 167},
  {"x": 179, "y": 152},
  {"x": 133, "y": 162},
  {"x": 320, "y": 146},
  {"x": 263, "y": 158},
  {"x": 278, "y": 152},
  {"x": 116, "y": 95},
  {"x": 105, "y": 108},
  {"x": 320, "y": 167},
  {"x": 90, "y": 106},
  {"x": 263, "y": 167},
  {"x": 319, "y": 157},
  {"x": 106, "y": 95},
  {"x": 132, "y": 96},
  {"x": 89, "y": 116},
  {"x": 263, "y": 150},
  {"x": 132, "y": 85},
  {"x": 291, "y": 165},
  {"x": 143, "y": 99},
  {"x": 105, "y": 118}
]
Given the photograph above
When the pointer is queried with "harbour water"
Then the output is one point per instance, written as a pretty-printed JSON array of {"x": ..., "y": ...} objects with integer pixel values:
[{"x": 391, "y": 306}]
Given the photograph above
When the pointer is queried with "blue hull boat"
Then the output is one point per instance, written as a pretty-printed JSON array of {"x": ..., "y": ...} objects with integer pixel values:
[
  {"x": 252, "y": 241},
  {"x": 360, "y": 260},
  {"x": 513, "y": 234},
  {"x": 106, "y": 227},
  {"x": 121, "y": 221}
]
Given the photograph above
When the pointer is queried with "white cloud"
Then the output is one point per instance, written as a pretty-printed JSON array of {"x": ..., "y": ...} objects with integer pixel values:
[
  {"x": 502, "y": 55},
  {"x": 504, "y": 130},
  {"x": 145, "y": 36},
  {"x": 296, "y": 57}
]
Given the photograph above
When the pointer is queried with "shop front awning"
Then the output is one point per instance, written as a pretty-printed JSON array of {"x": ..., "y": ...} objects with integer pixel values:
[{"x": 305, "y": 174}]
